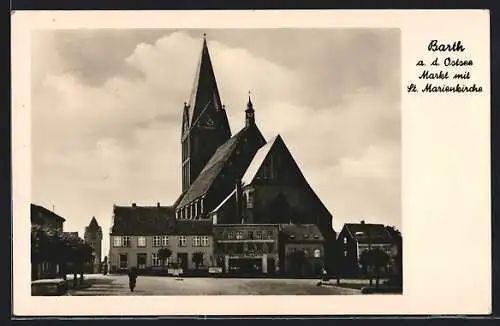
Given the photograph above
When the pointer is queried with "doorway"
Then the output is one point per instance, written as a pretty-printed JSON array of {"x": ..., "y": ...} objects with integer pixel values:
[
  {"x": 245, "y": 266},
  {"x": 182, "y": 260}
]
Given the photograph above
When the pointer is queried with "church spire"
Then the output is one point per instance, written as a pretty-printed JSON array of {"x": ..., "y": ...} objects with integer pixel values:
[
  {"x": 205, "y": 126},
  {"x": 205, "y": 91},
  {"x": 249, "y": 113}
]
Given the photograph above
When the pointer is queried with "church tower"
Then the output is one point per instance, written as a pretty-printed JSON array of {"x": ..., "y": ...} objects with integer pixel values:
[
  {"x": 204, "y": 121},
  {"x": 93, "y": 237}
]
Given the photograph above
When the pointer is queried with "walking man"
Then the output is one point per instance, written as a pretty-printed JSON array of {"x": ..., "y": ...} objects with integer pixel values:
[{"x": 132, "y": 278}]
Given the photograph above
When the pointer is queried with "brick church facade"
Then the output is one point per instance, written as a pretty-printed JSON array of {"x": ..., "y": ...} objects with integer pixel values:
[{"x": 251, "y": 190}]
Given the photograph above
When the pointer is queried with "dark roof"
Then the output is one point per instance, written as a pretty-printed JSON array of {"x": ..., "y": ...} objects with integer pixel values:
[
  {"x": 143, "y": 220},
  {"x": 193, "y": 227},
  {"x": 301, "y": 232},
  {"x": 37, "y": 210},
  {"x": 377, "y": 232},
  {"x": 93, "y": 224},
  {"x": 205, "y": 91},
  {"x": 207, "y": 176}
]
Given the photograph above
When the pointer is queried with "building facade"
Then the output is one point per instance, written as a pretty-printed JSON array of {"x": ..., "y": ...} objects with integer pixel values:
[
  {"x": 302, "y": 249},
  {"x": 140, "y": 232},
  {"x": 357, "y": 238},
  {"x": 247, "y": 249},
  {"x": 93, "y": 237}
]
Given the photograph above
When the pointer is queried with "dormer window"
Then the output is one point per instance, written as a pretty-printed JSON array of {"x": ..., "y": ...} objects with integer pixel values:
[
  {"x": 306, "y": 236},
  {"x": 345, "y": 240},
  {"x": 316, "y": 236},
  {"x": 292, "y": 236}
]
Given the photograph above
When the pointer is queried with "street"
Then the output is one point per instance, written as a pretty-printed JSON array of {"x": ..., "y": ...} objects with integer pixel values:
[{"x": 157, "y": 285}]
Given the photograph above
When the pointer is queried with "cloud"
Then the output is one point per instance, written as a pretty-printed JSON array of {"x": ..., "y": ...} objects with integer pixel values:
[{"x": 114, "y": 136}]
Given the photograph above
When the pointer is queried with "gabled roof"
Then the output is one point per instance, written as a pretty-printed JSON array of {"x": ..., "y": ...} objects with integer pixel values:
[
  {"x": 193, "y": 227},
  {"x": 38, "y": 212},
  {"x": 257, "y": 161},
  {"x": 301, "y": 232},
  {"x": 143, "y": 220},
  {"x": 363, "y": 232},
  {"x": 205, "y": 89},
  {"x": 207, "y": 176}
]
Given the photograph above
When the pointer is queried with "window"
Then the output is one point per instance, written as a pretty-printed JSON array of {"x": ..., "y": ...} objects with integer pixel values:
[
  {"x": 250, "y": 199},
  {"x": 306, "y": 252},
  {"x": 155, "y": 261},
  {"x": 182, "y": 241},
  {"x": 270, "y": 234},
  {"x": 164, "y": 241},
  {"x": 126, "y": 241},
  {"x": 230, "y": 235},
  {"x": 196, "y": 241},
  {"x": 141, "y": 241},
  {"x": 258, "y": 235},
  {"x": 250, "y": 235},
  {"x": 345, "y": 253},
  {"x": 157, "y": 241},
  {"x": 123, "y": 261},
  {"x": 204, "y": 241},
  {"x": 239, "y": 235},
  {"x": 345, "y": 240},
  {"x": 117, "y": 241}
]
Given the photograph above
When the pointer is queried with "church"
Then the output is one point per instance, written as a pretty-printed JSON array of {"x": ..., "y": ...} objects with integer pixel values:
[
  {"x": 242, "y": 178},
  {"x": 265, "y": 216}
]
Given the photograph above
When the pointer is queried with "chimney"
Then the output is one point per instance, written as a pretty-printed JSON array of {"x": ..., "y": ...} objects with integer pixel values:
[
  {"x": 238, "y": 197},
  {"x": 362, "y": 221},
  {"x": 157, "y": 204},
  {"x": 134, "y": 205}
]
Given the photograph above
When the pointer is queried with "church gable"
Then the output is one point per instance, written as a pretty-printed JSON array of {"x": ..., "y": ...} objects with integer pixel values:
[{"x": 280, "y": 192}]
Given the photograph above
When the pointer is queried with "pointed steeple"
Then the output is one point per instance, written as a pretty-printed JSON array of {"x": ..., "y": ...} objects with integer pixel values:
[
  {"x": 249, "y": 113},
  {"x": 93, "y": 223},
  {"x": 205, "y": 91}
]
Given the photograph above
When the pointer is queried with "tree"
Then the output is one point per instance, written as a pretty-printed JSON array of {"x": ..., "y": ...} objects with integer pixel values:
[
  {"x": 197, "y": 259},
  {"x": 164, "y": 254},
  {"x": 372, "y": 261}
]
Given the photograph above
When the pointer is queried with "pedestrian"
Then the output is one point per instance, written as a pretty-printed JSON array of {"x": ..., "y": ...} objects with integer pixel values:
[{"x": 132, "y": 278}]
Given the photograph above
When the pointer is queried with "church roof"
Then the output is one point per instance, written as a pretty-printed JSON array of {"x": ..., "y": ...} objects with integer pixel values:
[
  {"x": 207, "y": 176},
  {"x": 143, "y": 220},
  {"x": 93, "y": 223},
  {"x": 301, "y": 232},
  {"x": 257, "y": 161},
  {"x": 231, "y": 195},
  {"x": 205, "y": 91}
]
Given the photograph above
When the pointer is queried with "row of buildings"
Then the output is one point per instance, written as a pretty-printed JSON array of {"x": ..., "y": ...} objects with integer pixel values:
[
  {"x": 47, "y": 237},
  {"x": 140, "y": 232},
  {"x": 245, "y": 206}
]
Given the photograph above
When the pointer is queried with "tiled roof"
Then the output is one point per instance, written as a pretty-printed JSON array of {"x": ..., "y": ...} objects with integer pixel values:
[
  {"x": 38, "y": 211},
  {"x": 257, "y": 161},
  {"x": 193, "y": 227},
  {"x": 207, "y": 176},
  {"x": 143, "y": 220},
  {"x": 377, "y": 233},
  {"x": 301, "y": 232}
]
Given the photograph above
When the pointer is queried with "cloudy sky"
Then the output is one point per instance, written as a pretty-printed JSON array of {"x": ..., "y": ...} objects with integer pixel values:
[{"x": 107, "y": 104}]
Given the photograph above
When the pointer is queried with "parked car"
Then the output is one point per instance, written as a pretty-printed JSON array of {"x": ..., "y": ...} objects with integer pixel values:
[{"x": 49, "y": 287}]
